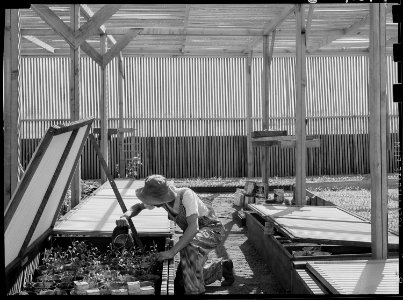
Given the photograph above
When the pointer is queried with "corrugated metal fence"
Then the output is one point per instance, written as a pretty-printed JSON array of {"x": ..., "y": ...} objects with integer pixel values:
[{"x": 190, "y": 113}]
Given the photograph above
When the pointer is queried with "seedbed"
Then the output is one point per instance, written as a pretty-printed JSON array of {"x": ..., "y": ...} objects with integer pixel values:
[{"x": 78, "y": 267}]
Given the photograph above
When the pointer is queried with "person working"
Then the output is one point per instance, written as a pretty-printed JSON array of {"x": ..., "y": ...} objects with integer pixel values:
[{"x": 202, "y": 232}]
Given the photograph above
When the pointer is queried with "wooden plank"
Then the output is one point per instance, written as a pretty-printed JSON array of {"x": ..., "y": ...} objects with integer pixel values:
[
  {"x": 300, "y": 115},
  {"x": 91, "y": 52},
  {"x": 119, "y": 46},
  {"x": 55, "y": 23},
  {"x": 280, "y": 138},
  {"x": 378, "y": 132},
  {"x": 268, "y": 133},
  {"x": 358, "y": 276},
  {"x": 48, "y": 192},
  {"x": 60, "y": 129},
  {"x": 39, "y": 43},
  {"x": 315, "y": 143},
  {"x": 115, "y": 190},
  {"x": 249, "y": 126},
  {"x": 93, "y": 24},
  {"x": 75, "y": 190}
]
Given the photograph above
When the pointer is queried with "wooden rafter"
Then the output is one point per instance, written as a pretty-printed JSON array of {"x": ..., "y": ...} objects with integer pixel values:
[
  {"x": 65, "y": 31},
  {"x": 96, "y": 21},
  {"x": 88, "y": 13},
  {"x": 119, "y": 46},
  {"x": 271, "y": 26},
  {"x": 39, "y": 43},
  {"x": 55, "y": 23},
  {"x": 352, "y": 29}
]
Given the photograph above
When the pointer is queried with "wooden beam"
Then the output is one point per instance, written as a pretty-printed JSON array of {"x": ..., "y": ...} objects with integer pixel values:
[
  {"x": 11, "y": 102},
  {"x": 300, "y": 85},
  {"x": 248, "y": 97},
  {"x": 98, "y": 19},
  {"x": 91, "y": 52},
  {"x": 271, "y": 26},
  {"x": 75, "y": 188},
  {"x": 55, "y": 23},
  {"x": 160, "y": 31},
  {"x": 377, "y": 132},
  {"x": 87, "y": 14},
  {"x": 119, "y": 46},
  {"x": 39, "y": 43},
  {"x": 103, "y": 106}
]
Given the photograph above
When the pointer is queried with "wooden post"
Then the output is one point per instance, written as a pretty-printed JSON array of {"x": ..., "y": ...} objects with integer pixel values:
[
  {"x": 75, "y": 186},
  {"x": 300, "y": 82},
  {"x": 265, "y": 104},
  {"x": 122, "y": 163},
  {"x": 248, "y": 68},
  {"x": 377, "y": 131},
  {"x": 11, "y": 60},
  {"x": 104, "y": 108}
]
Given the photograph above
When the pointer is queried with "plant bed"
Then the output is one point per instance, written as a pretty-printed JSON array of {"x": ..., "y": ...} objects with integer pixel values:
[{"x": 82, "y": 269}]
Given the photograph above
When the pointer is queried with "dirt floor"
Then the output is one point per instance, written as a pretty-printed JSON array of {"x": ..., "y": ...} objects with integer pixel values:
[{"x": 252, "y": 275}]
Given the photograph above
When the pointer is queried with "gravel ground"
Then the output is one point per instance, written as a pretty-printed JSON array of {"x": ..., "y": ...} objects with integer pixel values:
[{"x": 252, "y": 275}]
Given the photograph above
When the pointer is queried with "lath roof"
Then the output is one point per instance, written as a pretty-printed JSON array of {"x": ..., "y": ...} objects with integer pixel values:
[{"x": 212, "y": 29}]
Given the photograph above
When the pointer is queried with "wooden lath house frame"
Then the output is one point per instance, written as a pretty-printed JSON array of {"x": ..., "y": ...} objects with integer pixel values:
[{"x": 106, "y": 32}]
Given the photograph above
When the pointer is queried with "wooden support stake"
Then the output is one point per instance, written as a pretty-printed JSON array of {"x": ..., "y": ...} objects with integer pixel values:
[
  {"x": 115, "y": 189},
  {"x": 75, "y": 99},
  {"x": 103, "y": 105},
  {"x": 378, "y": 131},
  {"x": 248, "y": 68},
  {"x": 300, "y": 82}
]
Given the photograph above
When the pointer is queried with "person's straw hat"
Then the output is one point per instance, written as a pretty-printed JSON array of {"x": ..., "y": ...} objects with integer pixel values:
[{"x": 155, "y": 191}]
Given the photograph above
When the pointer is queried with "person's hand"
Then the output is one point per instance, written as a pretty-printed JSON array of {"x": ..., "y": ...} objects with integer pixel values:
[
  {"x": 122, "y": 222},
  {"x": 165, "y": 255}
]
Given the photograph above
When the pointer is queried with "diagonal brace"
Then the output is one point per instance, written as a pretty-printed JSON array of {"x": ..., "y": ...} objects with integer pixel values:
[{"x": 115, "y": 189}]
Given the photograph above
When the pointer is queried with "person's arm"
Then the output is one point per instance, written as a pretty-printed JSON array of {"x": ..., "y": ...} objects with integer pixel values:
[
  {"x": 188, "y": 235},
  {"x": 130, "y": 213}
]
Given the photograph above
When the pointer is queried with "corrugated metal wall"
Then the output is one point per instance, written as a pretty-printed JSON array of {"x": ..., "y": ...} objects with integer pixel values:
[{"x": 190, "y": 113}]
